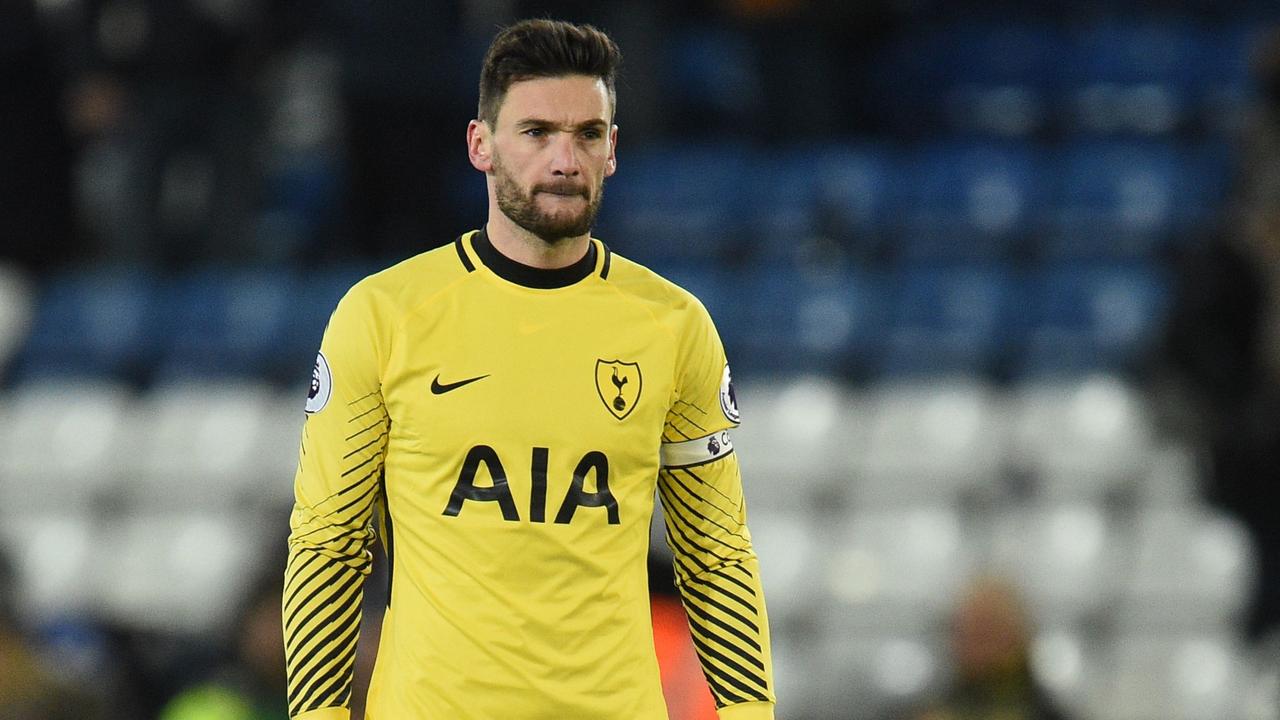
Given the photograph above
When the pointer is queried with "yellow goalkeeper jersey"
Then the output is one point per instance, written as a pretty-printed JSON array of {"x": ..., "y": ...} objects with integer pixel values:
[{"x": 504, "y": 429}]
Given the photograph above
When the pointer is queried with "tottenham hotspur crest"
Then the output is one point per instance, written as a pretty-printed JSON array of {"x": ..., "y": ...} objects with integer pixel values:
[{"x": 619, "y": 386}]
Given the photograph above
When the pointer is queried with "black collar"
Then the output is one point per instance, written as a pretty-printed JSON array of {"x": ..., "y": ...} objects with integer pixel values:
[{"x": 521, "y": 274}]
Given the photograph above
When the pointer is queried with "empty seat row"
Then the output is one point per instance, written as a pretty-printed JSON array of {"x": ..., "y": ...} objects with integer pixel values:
[
  {"x": 992, "y": 319},
  {"x": 939, "y": 200}
]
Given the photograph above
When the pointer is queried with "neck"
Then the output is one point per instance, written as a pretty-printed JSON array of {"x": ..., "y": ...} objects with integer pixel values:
[{"x": 526, "y": 248}]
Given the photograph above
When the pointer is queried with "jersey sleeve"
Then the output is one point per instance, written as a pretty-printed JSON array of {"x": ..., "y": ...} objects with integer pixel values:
[
  {"x": 337, "y": 484},
  {"x": 717, "y": 573}
]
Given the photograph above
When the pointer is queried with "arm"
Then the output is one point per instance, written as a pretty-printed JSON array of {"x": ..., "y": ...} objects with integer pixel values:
[
  {"x": 717, "y": 573},
  {"x": 719, "y": 582},
  {"x": 339, "y": 471}
]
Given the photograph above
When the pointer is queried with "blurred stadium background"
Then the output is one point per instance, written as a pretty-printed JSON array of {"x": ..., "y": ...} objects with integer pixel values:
[{"x": 999, "y": 282}]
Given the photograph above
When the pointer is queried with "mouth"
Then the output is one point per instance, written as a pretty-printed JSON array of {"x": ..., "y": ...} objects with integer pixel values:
[{"x": 571, "y": 191}]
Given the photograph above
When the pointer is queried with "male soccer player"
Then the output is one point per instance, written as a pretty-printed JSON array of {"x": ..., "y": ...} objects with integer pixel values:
[{"x": 505, "y": 406}]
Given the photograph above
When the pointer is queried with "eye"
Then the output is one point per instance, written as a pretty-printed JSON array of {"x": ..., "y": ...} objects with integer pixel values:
[
  {"x": 592, "y": 134},
  {"x": 536, "y": 132}
]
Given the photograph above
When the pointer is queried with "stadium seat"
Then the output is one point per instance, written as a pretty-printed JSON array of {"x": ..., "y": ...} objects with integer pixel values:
[
  {"x": 952, "y": 320},
  {"x": 930, "y": 441},
  {"x": 316, "y": 294},
  {"x": 1131, "y": 77},
  {"x": 789, "y": 545},
  {"x": 970, "y": 201},
  {"x": 198, "y": 444},
  {"x": 848, "y": 193},
  {"x": 277, "y": 446},
  {"x": 1092, "y": 318},
  {"x": 708, "y": 72},
  {"x": 1004, "y": 78},
  {"x": 224, "y": 324},
  {"x": 52, "y": 553},
  {"x": 678, "y": 203},
  {"x": 1083, "y": 440},
  {"x": 61, "y": 445},
  {"x": 810, "y": 319},
  {"x": 1117, "y": 199},
  {"x": 1175, "y": 677},
  {"x": 876, "y": 671},
  {"x": 797, "y": 441},
  {"x": 1065, "y": 559},
  {"x": 1069, "y": 664},
  {"x": 898, "y": 569},
  {"x": 180, "y": 572},
  {"x": 93, "y": 323},
  {"x": 1192, "y": 569}
]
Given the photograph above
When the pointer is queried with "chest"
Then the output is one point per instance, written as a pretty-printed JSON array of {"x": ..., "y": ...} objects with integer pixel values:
[{"x": 573, "y": 375}]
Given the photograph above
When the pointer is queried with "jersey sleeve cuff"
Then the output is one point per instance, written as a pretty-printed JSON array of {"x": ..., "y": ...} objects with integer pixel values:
[
  {"x": 329, "y": 713},
  {"x": 747, "y": 711}
]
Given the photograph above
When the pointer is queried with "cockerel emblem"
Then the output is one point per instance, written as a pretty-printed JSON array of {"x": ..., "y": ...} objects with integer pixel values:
[{"x": 618, "y": 384}]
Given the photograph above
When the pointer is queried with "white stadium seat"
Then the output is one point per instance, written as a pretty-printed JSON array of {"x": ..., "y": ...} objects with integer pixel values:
[
  {"x": 1082, "y": 440},
  {"x": 796, "y": 441},
  {"x": 182, "y": 572},
  {"x": 1178, "y": 677},
  {"x": 1191, "y": 568},
  {"x": 930, "y": 442},
  {"x": 60, "y": 446},
  {"x": 897, "y": 568},
  {"x": 1063, "y": 558},
  {"x": 52, "y": 555},
  {"x": 196, "y": 444}
]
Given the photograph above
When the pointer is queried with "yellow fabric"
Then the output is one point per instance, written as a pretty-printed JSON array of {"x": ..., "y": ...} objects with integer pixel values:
[
  {"x": 747, "y": 711},
  {"x": 508, "y": 440},
  {"x": 331, "y": 713}
]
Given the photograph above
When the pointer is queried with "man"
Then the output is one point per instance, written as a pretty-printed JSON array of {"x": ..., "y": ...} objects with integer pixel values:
[{"x": 505, "y": 405}]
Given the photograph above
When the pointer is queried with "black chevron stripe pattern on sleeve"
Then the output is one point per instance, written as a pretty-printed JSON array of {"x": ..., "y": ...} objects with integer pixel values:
[
  {"x": 329, "y": 559},
  {"x": 718, "y": 578}
]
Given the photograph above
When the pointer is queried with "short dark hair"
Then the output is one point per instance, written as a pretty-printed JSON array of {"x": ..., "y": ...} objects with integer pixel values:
[{"x": 545, "y": 48}]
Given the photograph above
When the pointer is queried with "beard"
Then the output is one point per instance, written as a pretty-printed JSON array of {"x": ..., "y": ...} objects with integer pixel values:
[{"x": 552, "y": 227}]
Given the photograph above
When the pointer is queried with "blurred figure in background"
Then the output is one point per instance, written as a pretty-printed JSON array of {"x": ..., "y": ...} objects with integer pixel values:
[
  {"x": 990, "y": 646},
  {"x": 250, "y": 686},
  {"x": 1223, "y": 341},
  {"x": 29, "y": 689}
]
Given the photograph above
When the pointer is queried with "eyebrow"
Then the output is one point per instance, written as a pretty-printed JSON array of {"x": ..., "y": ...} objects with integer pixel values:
[{"x": 539, "y": 122}]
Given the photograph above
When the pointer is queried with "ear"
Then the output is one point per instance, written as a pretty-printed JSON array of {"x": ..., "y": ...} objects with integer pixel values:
[
  {"x": 611, "y": 164},
  {"x": 480, "y": 145}
]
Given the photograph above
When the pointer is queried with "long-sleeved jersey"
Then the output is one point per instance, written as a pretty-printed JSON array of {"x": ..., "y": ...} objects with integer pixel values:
[{"x": 504, "y": 429}]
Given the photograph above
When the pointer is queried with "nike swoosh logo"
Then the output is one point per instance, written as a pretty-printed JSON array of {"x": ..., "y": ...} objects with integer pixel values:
[{"x": 439, "y": 389}]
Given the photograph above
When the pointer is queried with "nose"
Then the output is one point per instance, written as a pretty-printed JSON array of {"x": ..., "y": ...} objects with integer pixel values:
[{"x": 564, "y": 161}]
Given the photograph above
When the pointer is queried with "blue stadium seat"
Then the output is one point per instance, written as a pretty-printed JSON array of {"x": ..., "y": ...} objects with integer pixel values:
[
  {"x": 1004, "y": 77},
  {"x": 1132, "y": 78},
  {"x": 847, "y": 193},
  {"x": 952, "y": 320},
  {"x": 970, "y": 200},
  {"x": 709, "y": 72},
  {"x": 1226, "y": 88},
  {"x": 677, "y": 203},
  {"x": 811, "y": 320},
  {"x": 1124, "y": 199},
  {"x": 225, "y": 323},
  {"x": 1087, "y": 318},
  {"x": 993, "y": 77},
  {"x": 94, "y": 323}
]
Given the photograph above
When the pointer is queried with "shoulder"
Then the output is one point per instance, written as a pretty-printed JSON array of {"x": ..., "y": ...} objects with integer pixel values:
[
  {"x": 646, "y": 286},
  {"x": 404, "y": 285}
]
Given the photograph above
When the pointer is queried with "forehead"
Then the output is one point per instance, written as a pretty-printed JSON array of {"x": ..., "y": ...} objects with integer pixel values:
[{"x": 567, "y": 99}]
